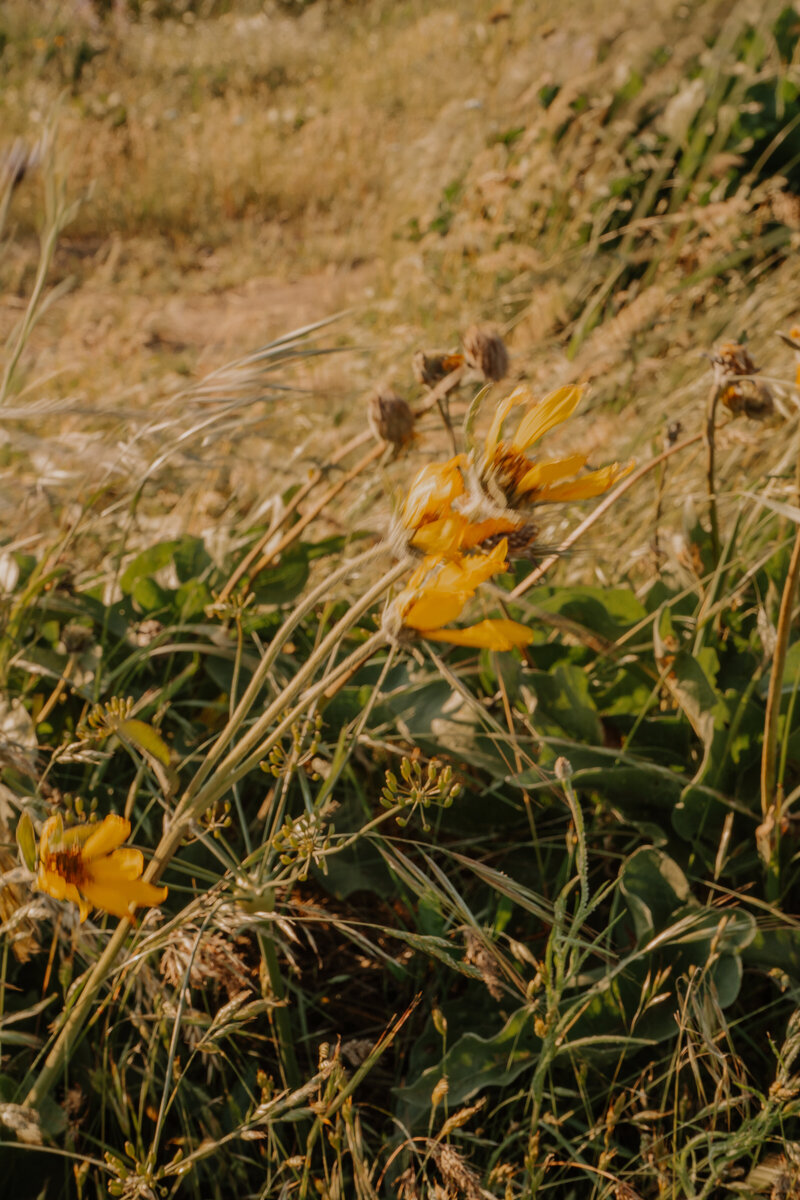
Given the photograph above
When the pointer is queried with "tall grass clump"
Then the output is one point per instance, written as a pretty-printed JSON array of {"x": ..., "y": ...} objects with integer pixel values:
[{"x": 402, "y": 801}]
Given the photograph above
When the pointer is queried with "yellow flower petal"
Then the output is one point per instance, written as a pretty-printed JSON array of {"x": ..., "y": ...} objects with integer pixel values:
[
  {"x": 481, "y": 531},
  {"x": 434, "y": 597},
  {"x": 123, "y": 864},
  {"x": 593, "y": 484},
  {"x": 443, "y": 537},
  {"x": 105, "y": 837},
  {"x": 520, "y": 395},
  {"x": 491, "y": 634},
  {"x": 432, "y": 491},
  {"x": 117, "y": 898},
  {"x": 544, "y": 473},
  {"x": 86, "y": 865},
  {"x": 549, "y": 412}
]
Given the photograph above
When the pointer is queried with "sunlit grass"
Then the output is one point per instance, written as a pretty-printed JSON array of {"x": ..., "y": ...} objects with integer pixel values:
[{"x": 442, "y": 920}]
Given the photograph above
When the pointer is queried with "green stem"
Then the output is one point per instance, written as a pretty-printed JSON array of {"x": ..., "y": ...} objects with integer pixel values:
[
  {"x": 711, "y": 419},
  {"x": 770, "y": 799}
]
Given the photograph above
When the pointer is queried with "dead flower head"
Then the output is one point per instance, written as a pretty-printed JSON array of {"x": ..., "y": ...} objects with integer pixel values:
[
  {"x": 485, "y": 351},
  {"x": 741, "y": 392},
  {"x": 390, "y": 418},
  {"x": 430, "y": 367}
]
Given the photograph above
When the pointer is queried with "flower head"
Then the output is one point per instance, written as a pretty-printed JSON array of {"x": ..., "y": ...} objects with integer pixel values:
[
  {"x": 88, "y": 865},
  {"x": 436, "y": 594},
  {"x": 505, "y": 467}
]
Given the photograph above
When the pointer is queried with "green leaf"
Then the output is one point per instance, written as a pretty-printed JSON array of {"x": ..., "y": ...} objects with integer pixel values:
[
  {"x": 476, "y": 1062},
  {"x": 653, "y": 886},
  {"x": 563, "y": 696},
  {"x": 26, "y": 841},
  {"x": 283, "y": 583},
  {"x": 153, "y": 559}
]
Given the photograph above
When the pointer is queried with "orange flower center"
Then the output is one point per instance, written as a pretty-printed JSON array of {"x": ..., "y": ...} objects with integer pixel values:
[
  {"x": 508, "y": 468},
  {"x": 68, "y": 864}
]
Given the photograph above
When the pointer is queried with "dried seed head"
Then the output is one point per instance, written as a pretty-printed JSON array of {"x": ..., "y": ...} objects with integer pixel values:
[
  {"x": 485, "y": 351},
  {"x": 741, "y": 392},
  {"x": 429, "y": 368},
  {"x": 390, "y": 418}
]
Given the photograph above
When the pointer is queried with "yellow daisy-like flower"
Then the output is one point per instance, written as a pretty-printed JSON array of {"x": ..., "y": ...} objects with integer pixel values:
[
  {"x": 436, "y": 528},
  {"x": 506, "y": 467},
  {"x": 88, "y": 865},
  {"x": 432, "y": 492},
  {"x": 436, "y": 594}
]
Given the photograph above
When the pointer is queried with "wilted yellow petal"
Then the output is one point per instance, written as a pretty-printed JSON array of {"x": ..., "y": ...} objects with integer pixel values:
[
  {"x": 110, "y": 833},
  {"x": 543, "y": 474},
  {"x": 520, "y": 395},
  {"x": 432, "y": 491},
  {"x": 477, "y": 534},
  {"x": 444, "y": 537},
  {"x": 432, "y": 608},
  {"x": 593, "y": 484},
  {"x": 499, "y": 634},
  {"x": 437, "y": 592},
  {"x": 549, "y": 412}
]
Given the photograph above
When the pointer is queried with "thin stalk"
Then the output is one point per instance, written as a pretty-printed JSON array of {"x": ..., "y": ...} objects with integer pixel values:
[
  {"x": 770, "y": 798},
  {"x": 253, "y": 690},
  {"x": 297, "y": 499},
  {"x": 710, "y": 438},
  {"x": 294, "y": 532}
]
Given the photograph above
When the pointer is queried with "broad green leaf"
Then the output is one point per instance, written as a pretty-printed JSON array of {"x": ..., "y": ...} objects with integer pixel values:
[
  {"x": 563, "y": 696},
  {"x": 148, "y": 562},
  {"x": 476, "y": 1062},
  {"x": 654, "y": 887},
  {"x": 283, "y": 583}
]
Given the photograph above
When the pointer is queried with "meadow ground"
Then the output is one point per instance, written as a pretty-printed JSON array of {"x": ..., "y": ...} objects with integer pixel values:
[{"x": 496, "y": 909}]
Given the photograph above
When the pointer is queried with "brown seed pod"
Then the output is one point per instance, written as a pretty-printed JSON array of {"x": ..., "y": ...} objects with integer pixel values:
[
  {"x": 390, "y": 418},
  {"x": 741, "y": 393},
  {"x": 429, "y": 368},
  {"x": 485, "y": 351}
]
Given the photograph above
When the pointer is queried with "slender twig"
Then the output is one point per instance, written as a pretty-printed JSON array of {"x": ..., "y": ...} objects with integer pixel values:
[
  {"x": 710, "y": 437},
  {"x": 770, "y": 797},
  {"x": 294, "y": 532},
  {"x": 297, "y": 499},
  {"x": 598, "y": 512}
]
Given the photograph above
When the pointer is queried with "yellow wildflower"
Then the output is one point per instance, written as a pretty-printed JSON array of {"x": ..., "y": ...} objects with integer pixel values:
[
  {"x": 506, "y": 467},
  {"x": 88, "y": 865},
  {"x": 436, "y": 528},
  {"x": 432, "y": 492},
  {"x": 436, "y": 594}
]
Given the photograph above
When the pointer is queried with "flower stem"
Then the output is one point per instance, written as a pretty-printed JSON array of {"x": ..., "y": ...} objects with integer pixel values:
[
  {"x": 770, "y": 797},
  {"x": 710, "y": 438}
]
